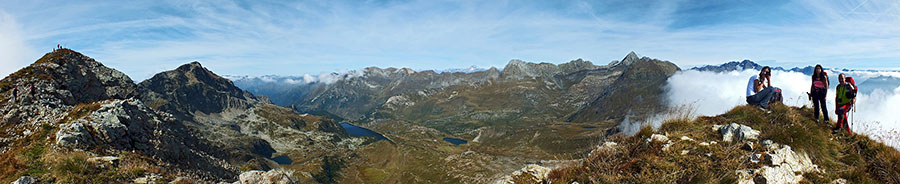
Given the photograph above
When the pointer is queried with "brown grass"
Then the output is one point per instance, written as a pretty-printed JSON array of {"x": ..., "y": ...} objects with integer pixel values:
[
  {"x": 82, "y": 110},
  {"x": 856, "y": 158}
]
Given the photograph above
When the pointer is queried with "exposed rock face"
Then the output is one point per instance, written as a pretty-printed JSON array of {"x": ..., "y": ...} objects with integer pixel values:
[
  {"x": 518, "y": 69},
  {"x": 197, "y": 125},
  {"x": 274, "y": 176},
  {"x": 736, "y": 132},
  {"x": 71, "y": 77},
  {"x": 780, "y": 165},
  {"x": 25, "y": 180},
  {"x": 58, "y": 80},
  {"x": 636, "y": 92},
  {"x": 128, "y": 125},
  {"x": 119, "y": 124},
  {"x": 191, "y": 88},
  {"x": 533, "y": 172}
]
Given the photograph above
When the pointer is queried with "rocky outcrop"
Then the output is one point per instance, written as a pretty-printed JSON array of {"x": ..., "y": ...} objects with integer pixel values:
[
  {"x": 117, "y": 126},
  {"x": 532, "y": 173},
  {"x": 780, "y": 165},
  {"x": 274, "y": 176},
  {"x": 736, "y": 132},
  {"x": 25, "y": 180},
  {"x": 191, "y": 88}
]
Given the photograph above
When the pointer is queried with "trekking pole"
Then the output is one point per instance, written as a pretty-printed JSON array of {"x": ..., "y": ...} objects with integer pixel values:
[{"x": 852, "y": 114}]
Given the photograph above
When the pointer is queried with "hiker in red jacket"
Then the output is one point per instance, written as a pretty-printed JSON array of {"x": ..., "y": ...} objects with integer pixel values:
[
  {"x": 817, "y": 92},
  {"x": 844, "y": 100}
]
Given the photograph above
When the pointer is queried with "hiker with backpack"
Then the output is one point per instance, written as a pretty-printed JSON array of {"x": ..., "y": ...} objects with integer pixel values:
[
  {"x": 844, "y": 99},
  {"x": 760, "y": 91},
  {"x": 817, "y": 92}
]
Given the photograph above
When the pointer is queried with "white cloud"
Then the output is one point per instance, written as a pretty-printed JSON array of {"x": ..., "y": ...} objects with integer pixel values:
[
  {"x": 259, "y": 38},
  {"x": 13, "y": 49},
  {"x": 716, "y": 93}
]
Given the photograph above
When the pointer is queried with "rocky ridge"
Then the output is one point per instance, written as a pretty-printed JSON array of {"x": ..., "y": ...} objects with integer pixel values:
[
  {"x": 197, "y": 126},
  {"x": 743, "y": 145}
]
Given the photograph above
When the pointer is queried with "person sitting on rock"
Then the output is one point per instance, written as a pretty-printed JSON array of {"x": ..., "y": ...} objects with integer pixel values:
[{"x": 759, "y": 89}]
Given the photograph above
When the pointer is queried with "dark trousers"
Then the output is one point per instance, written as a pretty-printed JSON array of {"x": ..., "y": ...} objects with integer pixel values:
[
  {"x": 842, "y": 117},
  {"x": 762, "y": 98},
  {"x": 818, "y": 97}
]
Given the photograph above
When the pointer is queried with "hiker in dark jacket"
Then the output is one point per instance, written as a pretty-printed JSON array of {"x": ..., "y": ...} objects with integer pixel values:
[
  {"x": 844, "y": 100},
  {"x": 817, "y": 92},
  {"x": 15, "y": 93},
  {"x": 759, "y": 89}
]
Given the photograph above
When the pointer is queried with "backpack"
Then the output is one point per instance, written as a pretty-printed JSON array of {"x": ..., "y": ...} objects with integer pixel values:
[
  {"x": 852, "y": 92},
  {"x": 776, "y": 96}
]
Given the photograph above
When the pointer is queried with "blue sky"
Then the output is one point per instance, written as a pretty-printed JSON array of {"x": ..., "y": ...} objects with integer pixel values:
[{"x": 142, "y": 38}]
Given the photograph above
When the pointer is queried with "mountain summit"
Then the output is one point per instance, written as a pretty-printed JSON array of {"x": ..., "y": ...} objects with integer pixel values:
[
  {"x": 190, "y": 88},
  {"x": 69, "y": 111},
  {"x": 70, "y": 77}
]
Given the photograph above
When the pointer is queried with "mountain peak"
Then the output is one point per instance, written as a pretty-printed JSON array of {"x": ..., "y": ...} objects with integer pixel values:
[
  {"x": 84, "y": 78},
  {"x": 191, "y": 87},
  {"x": 630, "y": 58},
  {"x": 730, "y": 66},
  {"x": 190, "y": 66}
]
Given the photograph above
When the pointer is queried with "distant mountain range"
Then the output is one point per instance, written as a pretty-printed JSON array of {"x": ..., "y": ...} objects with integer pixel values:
[
  {"x": 67, "y": 118},
  {"x": 582, "y": 87},
  {"x": 748, "y": 65},
  {"x": 868, "y": 82}
]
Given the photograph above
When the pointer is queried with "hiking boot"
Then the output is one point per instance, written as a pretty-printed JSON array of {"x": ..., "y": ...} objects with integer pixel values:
[{"x": 764, "y": 109}]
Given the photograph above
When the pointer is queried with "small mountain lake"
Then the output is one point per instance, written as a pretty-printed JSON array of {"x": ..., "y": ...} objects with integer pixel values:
[
  {"x": 357, "y": 131},
  {"x": 455, "y": 141},
  {"x": 283, "y": 160}
]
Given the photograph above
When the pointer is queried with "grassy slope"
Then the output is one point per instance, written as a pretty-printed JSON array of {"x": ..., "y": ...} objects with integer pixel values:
[
  {"x": 35, "y": 156},
  {"x": 853, "y": 157}
]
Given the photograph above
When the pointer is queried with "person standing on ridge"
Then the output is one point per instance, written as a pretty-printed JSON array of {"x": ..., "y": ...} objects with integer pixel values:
[
  {"x": 15, "y": 93},
  {"x": 844, "y": 99},
  {"x": 817, "y": 92},
  {"x": 759, "y": 89}
]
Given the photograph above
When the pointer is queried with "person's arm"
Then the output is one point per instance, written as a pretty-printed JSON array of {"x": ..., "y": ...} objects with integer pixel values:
[
  {"x": 769, "y": 81},
  {"x": 756, "y": 85}
]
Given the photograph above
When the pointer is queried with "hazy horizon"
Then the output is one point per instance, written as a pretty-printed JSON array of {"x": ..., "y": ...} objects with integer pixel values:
[{"x": 259, "y": 38}]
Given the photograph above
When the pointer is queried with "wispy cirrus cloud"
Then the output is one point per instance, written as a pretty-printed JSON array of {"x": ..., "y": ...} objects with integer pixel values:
[{"x": 292, "y": 38}]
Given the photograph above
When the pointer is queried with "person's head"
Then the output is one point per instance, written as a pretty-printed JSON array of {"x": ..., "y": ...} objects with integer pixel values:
[
  {"x": 841, "y": 78},
  {"x": 765, "y": 72},
  {"x": 817, "y": 70}
]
